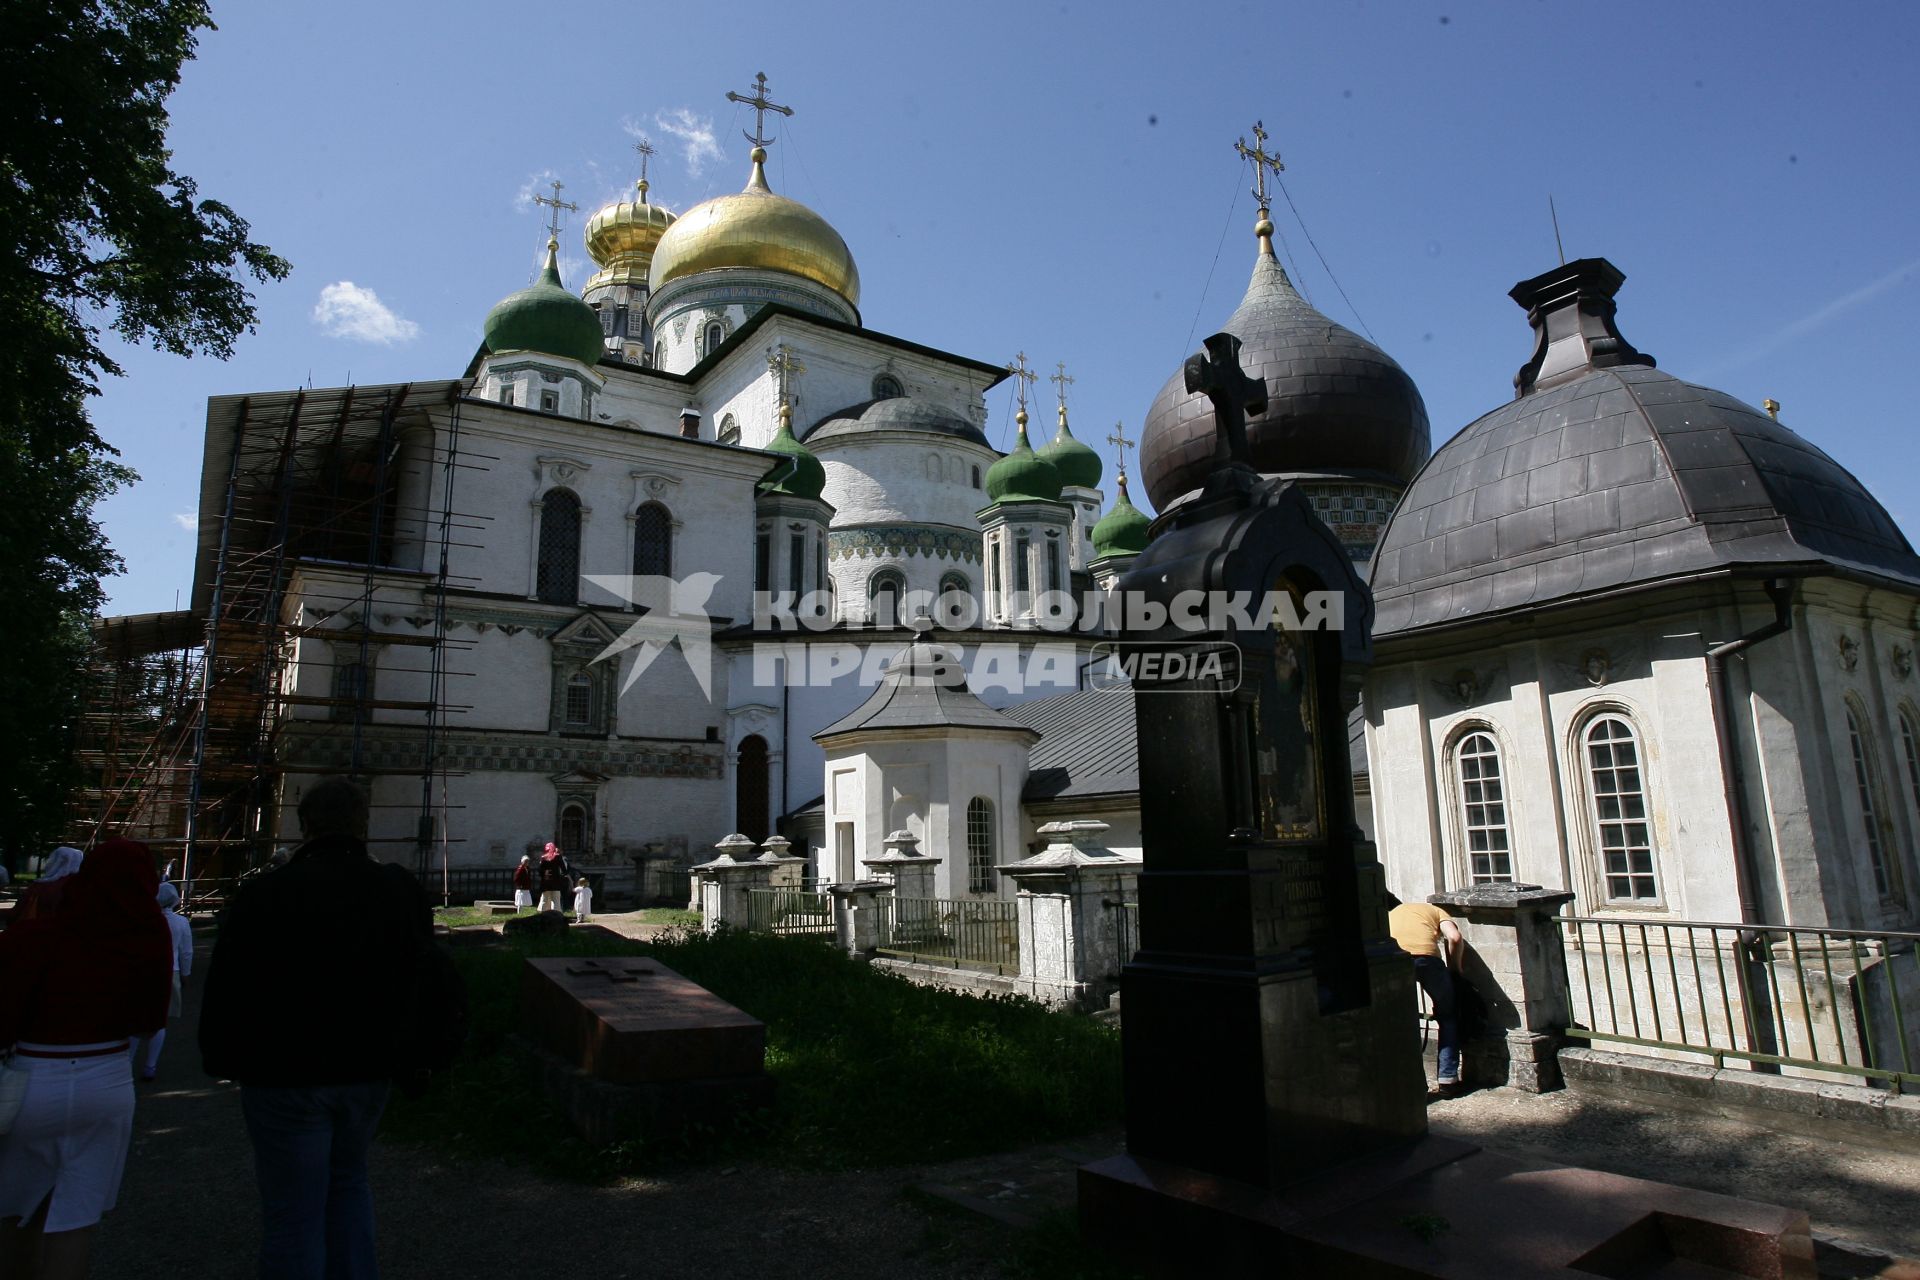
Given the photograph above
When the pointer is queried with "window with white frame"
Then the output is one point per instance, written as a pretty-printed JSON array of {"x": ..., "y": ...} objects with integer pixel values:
[
  {"x": 1622, "y": 824},
  {"x": 558, "y": 579},
  {"x": 980, "y": 871},
  {"x": 1485, "y": 835},
  {"x": 1873, "y": 807},
  {"x": 652, "y": 541},
  {"x": 580, "y": 701},
  {"x": 885, "y": 590}
]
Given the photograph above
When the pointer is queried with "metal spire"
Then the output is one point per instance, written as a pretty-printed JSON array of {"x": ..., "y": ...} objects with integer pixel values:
[
  {"x": 1022, "y": 378},
  {"x": 1061, "y": 380},
  {"x": 645, "y": 149},
  {"x": 1262, "y": 162},
  {"x": 761, "y": 104},
  {"x": 1121, "y": 444}
]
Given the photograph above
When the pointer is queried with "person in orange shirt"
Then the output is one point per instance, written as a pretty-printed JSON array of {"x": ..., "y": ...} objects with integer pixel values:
[{"x": 1430, "y": 936}]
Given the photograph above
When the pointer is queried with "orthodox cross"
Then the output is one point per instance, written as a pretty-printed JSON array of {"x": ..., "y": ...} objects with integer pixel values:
[
  {"x": 556, "y": 204},
  {"x": 784, "y": 365},
  {"x": 761, "y": 104},
  {"x": 1022, "y": 377},
  {"x": 1261, "y": 162},
  {"x": 1120, "y": 442},
  {"x": 1218, "y": 375},
  {"x": 1062, "y": 381},
  {"x": 645, "y": 149}
]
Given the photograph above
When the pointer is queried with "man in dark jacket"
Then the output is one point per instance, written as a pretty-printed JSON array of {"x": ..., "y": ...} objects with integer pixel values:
[{"x": 307, "y": 1000}]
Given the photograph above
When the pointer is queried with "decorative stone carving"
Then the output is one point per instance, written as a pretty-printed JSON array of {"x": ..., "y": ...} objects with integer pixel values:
[
  {"x": 1902, "y": 661},
  {"x": 1463, "y": 688},
  {"x": 1849, "y": 652}
]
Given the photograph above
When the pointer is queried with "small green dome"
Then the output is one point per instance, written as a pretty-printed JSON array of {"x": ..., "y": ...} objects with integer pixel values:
[
  {"x": 1023, "y": 475},
  {"x": 1076, "y": 463},
  {"x": 546, "y": 317},
  {"x": 1123, "y": 530},
  {"x": 803, "y": 477}
]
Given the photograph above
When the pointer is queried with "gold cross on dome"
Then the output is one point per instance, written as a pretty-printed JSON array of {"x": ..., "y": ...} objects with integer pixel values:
[
  {"x": 761, "y": 104},
  {"x": 1261, "y": 161},
  {"x": 1062, "y": 380},
  {"x": 784, "y": 365},
  {"x": 1120, "y": 442},
  {"x": 557, "y": 204},
  {"x": 1022, "y": 378},
  {"x": 645, "y": 149}
]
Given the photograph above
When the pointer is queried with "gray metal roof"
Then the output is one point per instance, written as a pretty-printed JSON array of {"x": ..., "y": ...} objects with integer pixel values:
[
  {"x": 893, "y": 413},
  {"x": 1621, "y": 477},
  {"x": 925, "y": 687},
  {"x": 1087, "y": 747}
]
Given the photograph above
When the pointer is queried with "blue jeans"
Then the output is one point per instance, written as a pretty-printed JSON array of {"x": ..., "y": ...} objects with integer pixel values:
[
  {"x": 1436, "y": 980},
  {"x": 310, "y": 1158}
]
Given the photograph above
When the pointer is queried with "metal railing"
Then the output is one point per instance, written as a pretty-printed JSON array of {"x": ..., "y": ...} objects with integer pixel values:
[
  {"x": 1786, "y": 999},
  {"x": 965, "y": 933},
  {"x": 790, "y": 912},
  {"x": 1126, "y": 930}
]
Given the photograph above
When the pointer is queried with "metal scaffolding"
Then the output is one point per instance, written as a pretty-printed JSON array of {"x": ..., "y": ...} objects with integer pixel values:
[{"x": 327, "y": 528}]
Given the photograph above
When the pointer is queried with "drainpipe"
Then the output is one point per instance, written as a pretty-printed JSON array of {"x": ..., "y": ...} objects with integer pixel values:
[
  {"x": 1732, "y": 771},
  {"x": 1751, "y": 971}
]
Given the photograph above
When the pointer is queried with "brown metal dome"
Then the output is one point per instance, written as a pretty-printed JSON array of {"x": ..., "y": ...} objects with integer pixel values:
[{"x": 1336, "y": 404}]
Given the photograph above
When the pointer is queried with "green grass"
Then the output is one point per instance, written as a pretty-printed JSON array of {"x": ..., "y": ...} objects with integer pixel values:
[
  {"x": 871, "y": 1069},
  {"x": 463, "y": 917}
]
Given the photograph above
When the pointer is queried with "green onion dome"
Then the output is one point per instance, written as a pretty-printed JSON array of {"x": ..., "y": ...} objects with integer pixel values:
[
  {"x": 546, "y": 317},
  {"x": 1023, "y": 475},
  {"x": 1123, "y": 530},
  {"x": 1076, "y": 463},
  {"x": 803, "y": 476}
]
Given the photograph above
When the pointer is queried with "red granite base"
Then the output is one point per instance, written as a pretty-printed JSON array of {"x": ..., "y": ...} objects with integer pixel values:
[{"x": 1436, "y": 1208}]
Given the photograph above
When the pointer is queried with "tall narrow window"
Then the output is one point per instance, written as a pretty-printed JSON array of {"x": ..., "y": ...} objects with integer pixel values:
[
  {"x": 1056, "y": 581},
  {"x": 652, "y": 541},
  {"x": 559, "y": 576},
  {"x": 1619, "y": 797},
  {"x": 580, "y": 701},
  {"x": 1483, "y": 809},
  {"x": 1872, "y": 810},
  {"x": 820, "y": 582},
  {"x": 993, "y": 578},
  {"x": 1022, "y": 571},
  {"x": 353, "y": 685},
  {"x": 1910, "y": 743},
  {"x": 884, "y": 590},
  {"x": 751, "y": 790},
  {"x": 573, "y": 830},
  {"x": 763, "y": 561},
  {"x": 796, "y": 562},
  {"x": 715, "y": 336},
  {"x": 980, "y": 873}
]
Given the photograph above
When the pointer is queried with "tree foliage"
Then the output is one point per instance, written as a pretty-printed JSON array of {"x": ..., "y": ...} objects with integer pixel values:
[{"x": 99, "y": 234}]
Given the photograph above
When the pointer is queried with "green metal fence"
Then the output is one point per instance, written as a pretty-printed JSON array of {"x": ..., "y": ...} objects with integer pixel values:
[
  {"x": 965, "y": 933},
  {"x": 790, "y": 912},
  {"x": 1826, "y": 1003}
]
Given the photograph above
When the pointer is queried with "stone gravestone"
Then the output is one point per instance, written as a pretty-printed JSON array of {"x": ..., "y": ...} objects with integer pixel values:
[
  {"x": 630, "y": 1048},
  {"x": 1275, "y": 1097}
]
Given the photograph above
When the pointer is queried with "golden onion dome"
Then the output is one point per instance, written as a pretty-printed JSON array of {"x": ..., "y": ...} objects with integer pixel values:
[
  {"x": 756, "y": 228},
  {"x": 621, "y": 238}
]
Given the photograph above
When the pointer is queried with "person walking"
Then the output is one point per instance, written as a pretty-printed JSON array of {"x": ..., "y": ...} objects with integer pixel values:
[
  {"x": 553, "y": 877},
  {"x": 523, "y": 883},
  {"x": 1429, "y": 935},
  {"x": 42, "y": 898},
  {"x": 308, "y": 1003},
  {"x": 582, "y": 900},
  {"x": 80, "y": 984},
  {"x": 146, "y": 1053}
]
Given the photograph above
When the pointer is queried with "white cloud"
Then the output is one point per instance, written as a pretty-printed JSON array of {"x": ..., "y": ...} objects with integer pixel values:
[
  {"x": 186, "y": 520},
  {"x": 1819, "y": 318},
  {"x": 695, "y": 135},
  {"x": 346, "y": 310}
]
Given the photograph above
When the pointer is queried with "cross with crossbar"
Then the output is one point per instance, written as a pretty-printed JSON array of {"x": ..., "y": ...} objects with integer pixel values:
[
  {"x": 557, "y": 204},
  {"x": 761, "y": 104}
]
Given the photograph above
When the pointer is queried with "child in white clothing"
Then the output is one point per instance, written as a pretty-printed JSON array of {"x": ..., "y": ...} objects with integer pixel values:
[{"x": 582, "y": 900}]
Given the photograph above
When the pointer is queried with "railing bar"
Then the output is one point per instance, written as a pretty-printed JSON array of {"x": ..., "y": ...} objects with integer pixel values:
[
  {"x": 1673, "y": 973},
  {"x": 1806, "y": 1006},
  {"x": 1888, "y": 961},
  {"x": 1586, "y": 975},
  {"x": 1653, "y": 987},
  {"x": 1606, "y": 974},
  {"x": 1774, "y": 1058},
  {"x": 1772, "y": 973},
  {"x": 1633, "y": 996},
  {"x": 1833, "y": 996},
  {"x": 1862, "y": 1004},
  {"x": 1693, "y": 957}
]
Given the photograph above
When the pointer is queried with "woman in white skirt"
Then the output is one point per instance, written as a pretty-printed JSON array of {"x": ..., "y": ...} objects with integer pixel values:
[
  {"x": 80, "y": 985},
  {"x": 523, "y": 884}
]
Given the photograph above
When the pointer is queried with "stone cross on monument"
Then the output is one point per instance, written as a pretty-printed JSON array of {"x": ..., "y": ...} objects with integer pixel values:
[{"x": 1217, "y": 375}]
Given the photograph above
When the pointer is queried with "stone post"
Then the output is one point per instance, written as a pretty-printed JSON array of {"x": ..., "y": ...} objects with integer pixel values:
[
  {"x": 857, "y": 916},
  {"x": 904, "y": 866},
  {"x": 724, "y": 883},
  {"x": 1516, "y": 961},
  {"x": 787, "y": 872},
  {"x": 1069, "y": 915}
]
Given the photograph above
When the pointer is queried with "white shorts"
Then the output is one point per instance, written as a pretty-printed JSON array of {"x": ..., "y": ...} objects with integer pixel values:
[{"x": 70, "y": 1138}]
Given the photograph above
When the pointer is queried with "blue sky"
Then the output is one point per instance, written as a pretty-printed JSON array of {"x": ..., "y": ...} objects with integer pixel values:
[{"x": 1061, "y": 180}]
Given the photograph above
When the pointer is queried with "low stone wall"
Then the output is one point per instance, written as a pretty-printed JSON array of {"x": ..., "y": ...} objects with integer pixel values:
[
  {"x": 967, "y": 981},
  {"x": 1811, "y": 1108}
]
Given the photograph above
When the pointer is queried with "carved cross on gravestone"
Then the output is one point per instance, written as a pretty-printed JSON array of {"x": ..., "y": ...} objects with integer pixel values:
[
  {"x": 1234, "y": 395},
  {"x": 621, "y": 972}
]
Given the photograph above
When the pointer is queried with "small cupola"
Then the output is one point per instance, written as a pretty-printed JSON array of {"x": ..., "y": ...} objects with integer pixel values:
[
  {"x": 798, "y": 474},
  {"x": 1023, "y": 475},
  {"x": 547, "y": 318},
  {"x": 1571, "y": 311}
]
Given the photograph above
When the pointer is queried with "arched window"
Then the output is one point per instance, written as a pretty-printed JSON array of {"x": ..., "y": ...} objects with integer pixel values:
[
  {"x": 980, "y": 873},
  {"x": 884, "y": 592},
  {"x": 716, "y": 334},
  {"x": 955, "y": 583},
  {"x": 887, "y": 387},
  {"x": 559, "y": 576},
  {"x": 1873, "y": 807},
  {"x": 976, "y": 477},
  {"x": 573, "y": 830},
  {"x": 1617, "y": 792},
  {"x": 729, "y": 432},
  {"x": 652, "y": 541},
  {"x": 1910, "y": 746},
  {"x": 750, "y": 789},
  {"x": 1483, "y": 809}
]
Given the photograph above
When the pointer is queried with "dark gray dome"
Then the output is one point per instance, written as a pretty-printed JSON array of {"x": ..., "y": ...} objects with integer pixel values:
[
  {"x": 894, "y": 413},
  {"x": 1606, "y": 474},
  {"x": 1336, "y": 403}
]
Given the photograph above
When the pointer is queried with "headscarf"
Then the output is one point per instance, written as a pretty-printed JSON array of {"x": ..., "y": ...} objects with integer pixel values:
[
  {"x": 551, "y": 852},
  {"x": 168, "y": 897},
  {"x": 62, "y": 862}
]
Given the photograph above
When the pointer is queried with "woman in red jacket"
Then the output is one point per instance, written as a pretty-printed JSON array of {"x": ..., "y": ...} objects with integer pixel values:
[{"x": 79, "y": 984}]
